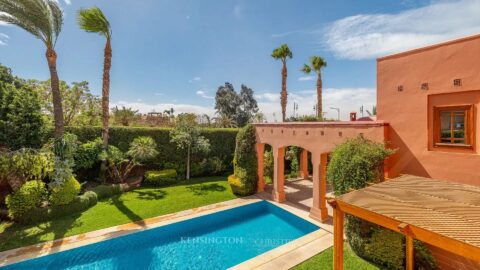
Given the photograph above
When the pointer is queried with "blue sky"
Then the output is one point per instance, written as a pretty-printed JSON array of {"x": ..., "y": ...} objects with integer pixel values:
[{"x": 175, "y": 53}]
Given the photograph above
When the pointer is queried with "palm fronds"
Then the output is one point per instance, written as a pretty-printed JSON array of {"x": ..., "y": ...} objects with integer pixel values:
[
  {"x": 94, "y": 21},
  {"x": 41, "y": 18}
]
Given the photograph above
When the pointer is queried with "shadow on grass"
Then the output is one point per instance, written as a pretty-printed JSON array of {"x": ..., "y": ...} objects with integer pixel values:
[
  {"x": 203, "y": 189},
  {"x": 127, "y": 212},
  {"x": 150, "y": 194},
  {"x": 18, "y": 235}
]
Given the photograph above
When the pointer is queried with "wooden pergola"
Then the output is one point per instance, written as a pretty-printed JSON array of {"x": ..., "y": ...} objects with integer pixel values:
[{"x": 440, "y": 213}]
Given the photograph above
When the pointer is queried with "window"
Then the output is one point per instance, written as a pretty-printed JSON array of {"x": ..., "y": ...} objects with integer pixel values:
[{"x": 453, "y": 126}]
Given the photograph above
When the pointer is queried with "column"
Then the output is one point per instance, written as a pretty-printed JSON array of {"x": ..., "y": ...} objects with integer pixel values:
[
  {"x": 304, "y": 164},
  {"x": 338, "y": 217},
  {"x": 409, "y": 252},
  {"x": 260, "y": 164},
  {"x": 278, "y": 174},
  {"x": 319, "y": 207}
]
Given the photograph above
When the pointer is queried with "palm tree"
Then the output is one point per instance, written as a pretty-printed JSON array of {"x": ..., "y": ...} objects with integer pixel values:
[
  {"x": 283, "y": 53},
  {"x": 316, "y": 64},
  {"x": 93, "y": 20},
  {"x": 43, "y": 19}
]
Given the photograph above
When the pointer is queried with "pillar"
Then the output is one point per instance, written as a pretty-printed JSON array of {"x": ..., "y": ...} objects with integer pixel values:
[
  {"x": 409, "y": 252},
  {"x": 304, "y": 164},
  {"x": 260, "y": 164},
  {"x": 278, "y": 193},
  {"x": 319, "y": 207},
  {"x": 338, "y": 217}
]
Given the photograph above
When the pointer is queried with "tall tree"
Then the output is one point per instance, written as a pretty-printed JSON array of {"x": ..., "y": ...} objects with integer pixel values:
[
  {"x": 283, "y": 53},
  {"x": 93, "y": 20},
  {"x": 240, "y": 108},
  {"x": 316, "y": 64},
  {"x": 43, "y": 19}
]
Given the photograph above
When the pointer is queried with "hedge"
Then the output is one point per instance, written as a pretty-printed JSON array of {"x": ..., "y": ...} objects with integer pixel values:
[
  {"x": 161, "y": 178},
  {"x": 244, "y": 180},
  {"x": 222, "y": 143}
]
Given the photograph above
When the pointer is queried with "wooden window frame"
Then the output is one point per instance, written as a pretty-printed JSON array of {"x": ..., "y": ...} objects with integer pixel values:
[{"x": 469, "y": 142}]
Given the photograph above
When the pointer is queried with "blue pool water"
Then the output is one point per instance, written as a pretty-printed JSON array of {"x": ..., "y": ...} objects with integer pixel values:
[{"x": 216, "y": 241}]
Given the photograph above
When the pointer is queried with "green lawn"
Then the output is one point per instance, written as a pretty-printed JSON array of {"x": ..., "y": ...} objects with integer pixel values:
[
  {"x": 135, "y": 205},
  {"x": 324, "y": 261}
]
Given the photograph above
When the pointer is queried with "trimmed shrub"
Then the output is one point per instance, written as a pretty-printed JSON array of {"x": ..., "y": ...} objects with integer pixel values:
[
  {"x": 356, "y": 164},
  {"x": 28, "y": 197},
  {"x": 161, "y": 178},
  {"x": 64, "y": 193},
  {"x": 268, "y": 164},
  {"x": 104, "y": 191},
  {"x": 79, "y": 204},
  {"x": 245, "y": 162},
  {"x": 222, "y": 144},
  {"x": 238, "y": 187},
  {"x": 87, "y": 154}
]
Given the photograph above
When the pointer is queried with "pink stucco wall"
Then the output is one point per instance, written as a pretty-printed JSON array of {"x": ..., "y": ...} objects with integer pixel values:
[{"x": 409, "y": 112}]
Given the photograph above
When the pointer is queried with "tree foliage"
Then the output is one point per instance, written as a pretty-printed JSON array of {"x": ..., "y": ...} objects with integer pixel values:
[
  {"x": 186, "y": 135},
  {"x": 21, "y": 120},
  {"x": 124, "y": 116},
  {"x": 241, "y": 108},
  {"x": 245, "y": 178}
]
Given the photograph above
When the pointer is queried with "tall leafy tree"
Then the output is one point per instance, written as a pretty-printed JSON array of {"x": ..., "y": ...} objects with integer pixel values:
[
  {"x": 93, "y": 20},
  {"x": 43, "y": 19},
  {"x": 316, "y": 65},
  {"x": 283, "y": 53},
  {"x": 240, "y": 108}
]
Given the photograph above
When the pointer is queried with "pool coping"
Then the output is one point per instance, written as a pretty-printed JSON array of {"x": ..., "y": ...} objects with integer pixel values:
[{"x": 270, "y": 257}]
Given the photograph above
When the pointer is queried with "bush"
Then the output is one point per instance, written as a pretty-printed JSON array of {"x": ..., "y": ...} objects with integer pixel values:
[
  {"x": 21, "y": 119},
  {"x": 161, "y": 178},
  {"x": 104, "y": 191},
  {"x": 86, "y": 156},
  {"x": 222, "y": 144},
  {"x": 27, "y": 198},
  {"x": 355, "y": 164},
  {"x": 238, "y": 187},
  {"x": 79, "y": 204},
  {"x": 64, "y": 193},
  {"x": 245, "y": 162},
  {"x": 268, "y": 164}
]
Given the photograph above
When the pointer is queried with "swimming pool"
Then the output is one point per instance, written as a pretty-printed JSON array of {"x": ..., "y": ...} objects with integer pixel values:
[{"x": 215, "y": 241}]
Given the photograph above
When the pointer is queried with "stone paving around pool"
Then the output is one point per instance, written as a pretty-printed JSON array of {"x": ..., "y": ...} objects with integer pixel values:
[{"x": 283, "y": 257}]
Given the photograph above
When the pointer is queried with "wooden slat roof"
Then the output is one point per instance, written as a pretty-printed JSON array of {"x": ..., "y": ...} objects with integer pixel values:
[{"x": 446, "y": 208}]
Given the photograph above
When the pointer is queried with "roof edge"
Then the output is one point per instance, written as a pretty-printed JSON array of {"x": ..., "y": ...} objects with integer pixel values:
[{"x": 429, "y": 47}]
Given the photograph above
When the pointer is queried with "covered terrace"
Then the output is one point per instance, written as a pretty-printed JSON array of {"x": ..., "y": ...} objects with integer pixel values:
[
  {"x": 442, "y": 214},
  {"x": 316, "y": 138}
]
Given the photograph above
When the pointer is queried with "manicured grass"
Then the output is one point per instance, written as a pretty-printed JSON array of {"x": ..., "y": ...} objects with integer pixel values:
[
  {"x": 135, "y": 205},
  {"x": 324, "y": 261}
]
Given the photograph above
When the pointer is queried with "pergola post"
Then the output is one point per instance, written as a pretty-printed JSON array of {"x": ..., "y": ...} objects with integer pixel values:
[
  {"x": 278, "y": 174},
  {"x": 338, "y": 222},
  {"x": 260, "y": 164},
  {"x": 319, "y": 208},
  {"x": 409, "y": 252},
  {"x": 304, "y": 164}
]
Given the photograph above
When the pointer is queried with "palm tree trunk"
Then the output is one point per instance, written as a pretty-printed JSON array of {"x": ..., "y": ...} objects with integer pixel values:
[
  {"x": 319, "y": 97},
  {"x": 56, "y": 96},
  {"x": 107, "y": 64},
  {"x": 283, "y": 98},
  {"x": 188, "y": 163}
]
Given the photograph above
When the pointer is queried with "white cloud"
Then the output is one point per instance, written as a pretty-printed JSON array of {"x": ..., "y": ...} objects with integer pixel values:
[
  {"x": 144, "y": 108},
  {"x": 347, "y": 99},
  {"x": 203, "y": 94},
  {"x": 367, "y": 36},
  {"x": 195, "y": 79},
  {"x": 3, "y": 39},
  {"x": 307, "y": 78},
  {"x": 68, "y": 2}
]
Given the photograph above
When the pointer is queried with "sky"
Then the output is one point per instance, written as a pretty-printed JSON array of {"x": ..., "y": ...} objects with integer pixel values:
[{"x": 176, "y": 53}]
